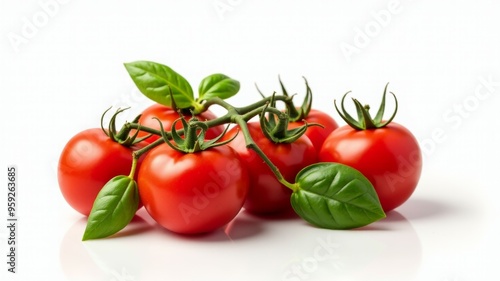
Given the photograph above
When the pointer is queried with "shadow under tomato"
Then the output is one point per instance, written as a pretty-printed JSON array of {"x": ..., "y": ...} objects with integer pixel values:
[
  {"x": 241, "y": 227},
  {"x": 281, "y": 216},
  {"x": 413, "y": 209},
  {"x": 386, "y": 224},
  {"x": 419, "y": 208}
]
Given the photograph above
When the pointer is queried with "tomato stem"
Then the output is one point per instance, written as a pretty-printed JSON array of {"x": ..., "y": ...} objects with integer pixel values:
[
  {"x": 365, "y": 120},
  {"x": 235, "y": 115},
  {"x": 143, "y": 128},
  {"x": 134, "y": 166},
  {"x": 138, "y": 153},
  {"x": 250, "y": 143},
  {"x": 305, "y": 108}
]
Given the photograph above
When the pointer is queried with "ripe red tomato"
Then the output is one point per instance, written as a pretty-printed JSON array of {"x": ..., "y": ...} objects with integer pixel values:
[
  {"x": 193, "y": 193},
  {"x": 167, "y": 116},
  {"x": 267, "y": 195},
  {"x": 389, "y": 157},
  {"x": 317, "y": 134},
  {"x": 88, "y": 161}
]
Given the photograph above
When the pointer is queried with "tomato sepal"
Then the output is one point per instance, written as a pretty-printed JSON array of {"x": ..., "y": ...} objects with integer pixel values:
[
  {"x": 302, "y": 112},
  {"x": 275, "y": 125},
  {"x": 123, "y": 136},
  {"x": 365, "y": 121},
  {"x": 194, "y": 136}
]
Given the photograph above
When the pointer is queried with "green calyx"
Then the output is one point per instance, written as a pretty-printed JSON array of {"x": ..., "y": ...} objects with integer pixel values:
[
  {"x": 365, "y": 121},
  {"x": 123, "y": 136},
  {"x": 194, "y": 136},
  {"x": 294, "y": 113},
  {"x": 297, "y": 114},
  {"x": 275, "y": 125}
]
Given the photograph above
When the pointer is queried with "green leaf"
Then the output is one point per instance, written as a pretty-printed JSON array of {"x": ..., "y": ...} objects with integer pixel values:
[
  {"x": 154, "y": 80},
  {"x": 113, "y": 209},
  {"x": 335, "y": 196},
  {"x": 218, "y": 85}
]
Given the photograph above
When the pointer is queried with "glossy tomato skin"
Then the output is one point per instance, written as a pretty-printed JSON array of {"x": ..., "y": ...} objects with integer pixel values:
[
  {"x": 167, "y": 116},
  {"x": 389, "y": 157},
  {"x": 267, "y": 195},
  {"x": 88, "y": 161},
  {"x": 317, "y": 134},
  {"x": 195, "y": 192}
]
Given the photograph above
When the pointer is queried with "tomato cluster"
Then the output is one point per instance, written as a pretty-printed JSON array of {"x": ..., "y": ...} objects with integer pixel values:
[{"x": 192, "y": 176}]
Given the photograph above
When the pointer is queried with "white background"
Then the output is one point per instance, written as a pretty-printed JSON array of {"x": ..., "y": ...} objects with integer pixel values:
[{"x": 62, "y": 66}]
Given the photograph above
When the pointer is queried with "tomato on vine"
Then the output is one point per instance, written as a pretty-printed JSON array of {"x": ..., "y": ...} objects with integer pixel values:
[
  {"x": 89, "y": 160},
  {"x": 289, "y": 150},
  {"x": 195, "y": 186},
  {"x": 386, "y": 152}
]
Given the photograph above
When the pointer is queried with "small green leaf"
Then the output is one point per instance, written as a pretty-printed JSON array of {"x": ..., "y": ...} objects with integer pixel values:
[
  {"x": 218, "y": 85},
  {"x": 113, "y": 209},
  {"x": 335, "y": 196},
  {"x": 154, "y": 80}
]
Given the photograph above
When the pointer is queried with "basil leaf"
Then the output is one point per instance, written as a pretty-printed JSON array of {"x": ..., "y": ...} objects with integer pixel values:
[
  {"x": 154, "y": 80},
  {"x": 218, "y": 85},
  {"x": 335, "y": 196},
  {"x": 113, "y": 209}
]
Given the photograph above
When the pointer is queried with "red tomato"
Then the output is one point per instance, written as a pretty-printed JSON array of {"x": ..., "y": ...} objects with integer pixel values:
[
  {"x": 88, "y": 161},
  {"x": 167, "y": 116},
  {"x": 389, "y": 157},
  {"x": 267, "y": 195},
  {"x": 316, "y": 134},
  {"x": 193, "y": 193}
]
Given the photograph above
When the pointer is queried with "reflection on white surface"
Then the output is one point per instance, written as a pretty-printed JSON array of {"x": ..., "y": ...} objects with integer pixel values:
[
  {"x": 114, "y": 259},
  {"x": 361, "y": 254},
  {"x": 250, "y": 248}
]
